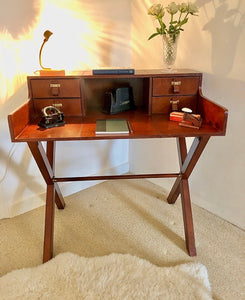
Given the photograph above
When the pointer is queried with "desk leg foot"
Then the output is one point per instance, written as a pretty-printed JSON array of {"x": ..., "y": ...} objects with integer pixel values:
[
  {"x": 49, "y": 224},
  {"x": 187, "y": 217}
]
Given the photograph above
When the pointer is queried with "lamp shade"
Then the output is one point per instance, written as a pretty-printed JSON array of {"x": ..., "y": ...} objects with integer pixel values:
[{"x": 47, "y": 35}]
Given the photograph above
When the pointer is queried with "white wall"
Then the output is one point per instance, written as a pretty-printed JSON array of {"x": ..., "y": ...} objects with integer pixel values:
[
  {"x": 87, "y": 34},
  {"x": 213, "y": 43}
]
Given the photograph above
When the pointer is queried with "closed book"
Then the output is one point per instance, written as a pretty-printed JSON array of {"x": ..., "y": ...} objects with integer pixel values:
[
  {"x": 112, "y": 126},
  {"x": 113, "y": 71}
]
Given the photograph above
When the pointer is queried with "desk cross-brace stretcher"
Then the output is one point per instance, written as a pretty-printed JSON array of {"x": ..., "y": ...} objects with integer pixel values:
[{"x": 187, "y": 160}]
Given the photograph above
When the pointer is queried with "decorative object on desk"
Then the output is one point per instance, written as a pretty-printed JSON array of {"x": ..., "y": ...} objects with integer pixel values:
[
  {"x": 114, "y": 71},
  {"x": 170, "y": 34},
  {"x": 186, "y": 110},
  {"x": 112, "y": 126},
  {"x": 186, "y": 118},
  {"x": 170, "y": 45},
  {"x": 52, "y": 117},
  {"x": 190, "y": 120},
  {"x": 118, "y": 100},
  {"x": 176, "y": 116},
  {"x": 47, "y": 71}
]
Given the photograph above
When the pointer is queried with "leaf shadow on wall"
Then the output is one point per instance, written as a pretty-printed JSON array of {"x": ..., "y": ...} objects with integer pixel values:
[
  {"x": 104, "y": 44},
  {"x": 17, "y": 17},
  {"x": 225, "y": 29}
]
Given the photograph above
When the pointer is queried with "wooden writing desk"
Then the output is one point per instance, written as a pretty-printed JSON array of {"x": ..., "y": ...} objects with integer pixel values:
[{"x": 81, "y": 96}]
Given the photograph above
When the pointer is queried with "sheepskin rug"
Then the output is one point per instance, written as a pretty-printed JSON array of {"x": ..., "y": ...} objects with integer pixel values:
[{"x": 116, "y": 276}]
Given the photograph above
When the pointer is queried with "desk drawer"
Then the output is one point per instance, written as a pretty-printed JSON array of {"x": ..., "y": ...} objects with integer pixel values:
[
  {"x": 162, "y": 105},
  {"x": 70, "y": 107},
  {"x": 175, "y": 85},
  {"x": 55, "y": 88}
]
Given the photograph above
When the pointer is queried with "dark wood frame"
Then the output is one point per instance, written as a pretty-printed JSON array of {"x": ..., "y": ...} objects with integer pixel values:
[{"x": 23, "y": 128}]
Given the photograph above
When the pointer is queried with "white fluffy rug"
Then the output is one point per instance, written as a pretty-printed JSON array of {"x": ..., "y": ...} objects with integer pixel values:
[{"x": 116, "y": 276}]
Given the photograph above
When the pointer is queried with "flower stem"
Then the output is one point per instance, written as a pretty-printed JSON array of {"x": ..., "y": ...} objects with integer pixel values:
[{"x": 180, "y": 17}]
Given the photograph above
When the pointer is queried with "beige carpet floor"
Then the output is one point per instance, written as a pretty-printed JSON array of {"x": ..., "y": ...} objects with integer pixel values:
[{"x": 130, "y": 217}]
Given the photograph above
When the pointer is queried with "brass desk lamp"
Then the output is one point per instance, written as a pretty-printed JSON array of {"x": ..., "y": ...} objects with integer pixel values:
[
  {"x": 47, "y": 34},
  {"x": 47, "y": 71}
]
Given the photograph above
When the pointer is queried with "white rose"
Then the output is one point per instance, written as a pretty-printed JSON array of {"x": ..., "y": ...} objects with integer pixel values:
[
  {"x": 192, "y": 8},
  {"x": 172, "y": 8},
  {"x": 156, "y": 10},
  {"x": 183, "y": 7}
]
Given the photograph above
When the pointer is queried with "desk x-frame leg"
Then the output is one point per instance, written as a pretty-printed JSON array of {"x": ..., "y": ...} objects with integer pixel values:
[
  {"x": 45, "y": 162},
  {"x": 187, "y": 163}
]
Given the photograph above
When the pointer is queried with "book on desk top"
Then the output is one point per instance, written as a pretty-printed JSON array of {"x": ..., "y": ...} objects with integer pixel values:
[
  {"x": 112, "y": 126},
  {"x": 113, "y": 71}
]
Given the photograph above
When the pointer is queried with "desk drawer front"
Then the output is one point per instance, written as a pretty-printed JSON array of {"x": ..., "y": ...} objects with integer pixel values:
[
  {"x": 175, "y": 85},
  {"x": 162, "y": 105},
  {"x": 70, "y": 107},
  {"x": 55, "y": 88}
]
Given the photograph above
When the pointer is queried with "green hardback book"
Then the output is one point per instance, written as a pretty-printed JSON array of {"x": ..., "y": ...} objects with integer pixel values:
[{"x": 112, "y": 126}]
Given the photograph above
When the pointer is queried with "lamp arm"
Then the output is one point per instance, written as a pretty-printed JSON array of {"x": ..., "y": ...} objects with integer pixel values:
[{"x": 40, "y": 56}]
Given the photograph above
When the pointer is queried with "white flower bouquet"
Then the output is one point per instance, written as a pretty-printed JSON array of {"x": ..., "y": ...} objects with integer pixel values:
[{"x": 179, "y": 14}]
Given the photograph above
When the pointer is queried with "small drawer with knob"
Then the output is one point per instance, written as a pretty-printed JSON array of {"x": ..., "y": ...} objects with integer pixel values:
[
  {"x": 70, "y": 107},
  {"x": 54, "y": 88},
  {"x": 162, "y": 105},
  {"x": 175, "y": 85}
]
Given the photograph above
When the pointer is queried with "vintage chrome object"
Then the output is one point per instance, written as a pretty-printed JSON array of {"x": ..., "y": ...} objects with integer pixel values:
[{"x": 52, "y": 117}]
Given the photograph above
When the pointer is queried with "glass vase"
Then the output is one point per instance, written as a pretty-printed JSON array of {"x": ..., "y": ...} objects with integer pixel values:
[{"x": 170, "y": 46}]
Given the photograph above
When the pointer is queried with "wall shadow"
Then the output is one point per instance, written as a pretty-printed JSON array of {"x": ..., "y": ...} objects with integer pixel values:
[
  {"x": 10, "y": 166},
  {"x": 225, "y": 29},
  {"x": 17, "y": 17}
]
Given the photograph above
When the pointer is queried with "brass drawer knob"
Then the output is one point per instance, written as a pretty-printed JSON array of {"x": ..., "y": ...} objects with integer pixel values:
[
  {"x": 54, "y": 89},
  {"x": 53, "y": 85},
  {"x": 176, "y": 86}
]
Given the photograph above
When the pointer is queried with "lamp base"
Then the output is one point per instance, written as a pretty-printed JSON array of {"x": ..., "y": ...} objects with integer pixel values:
[{"x": 52, "y": 72}]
